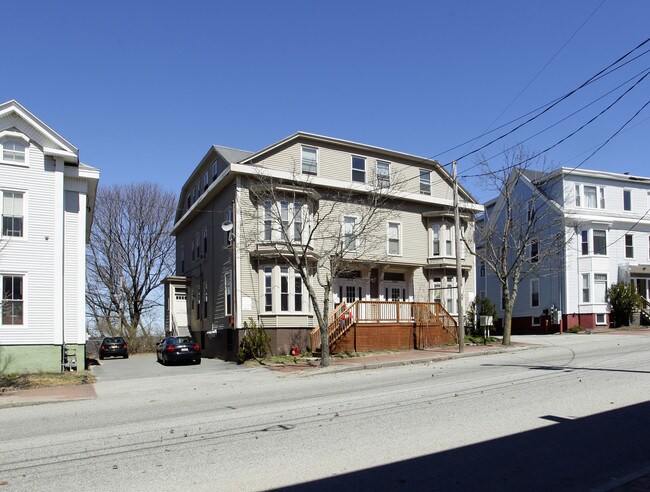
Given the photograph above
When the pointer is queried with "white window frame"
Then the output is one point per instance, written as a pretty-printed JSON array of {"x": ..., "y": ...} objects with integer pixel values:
[
  {"x": 629, "y": 248},
  {"x": 604, "y": 319},
  {"x": 602, "y": 197},
  {"x": 535, "y": 321},
  {"x": 303, "y": 150},
  {"x": 10, "y": 137},
  {"x": 584, "y": 243},
  {"x": 627, "y": 200},
  {"x": 425, "y": 181},
  {"x": 593, "y": 239},
  {"x": 449, "y": 242},
  {"x": 383, "y": 178},
  {"x": 589, "y": 198},
  {"x": 578, "y": 196},
  {"x": 267, "y": 286},
  {"x": 271, "y": 280},
  {"x": 21, "y": 300},
  {"x": 206, "y": 180},
  {"x": 359, "y": 171},
  {"x": 534, "y": 290},
  {"x": 389, "y": 238},
  {"x": 600, "y": 287},
  {"x": 585, "y": 288},
  {"x": 534, "y": 251},
  {"x": 227, "y": 294},
  {"x": 435, "y": 239},
  {"x": 349, "y": 236},
  {"x": 22, "y": 215}
]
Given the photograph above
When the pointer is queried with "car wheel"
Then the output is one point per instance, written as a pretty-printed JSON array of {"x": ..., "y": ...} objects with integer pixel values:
[
  {"x": 101, "y": 357},
  {"x": 163, "y": 361},
  {"x": 126, "y": 356},
  {"x": 198, "y": 361}
]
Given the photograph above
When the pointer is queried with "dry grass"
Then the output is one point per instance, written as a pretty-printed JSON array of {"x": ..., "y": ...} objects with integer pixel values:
[{"x": 45, "y": 380}]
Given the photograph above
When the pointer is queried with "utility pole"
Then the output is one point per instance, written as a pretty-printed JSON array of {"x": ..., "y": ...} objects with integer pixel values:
[{"x": 459, "y": 269}]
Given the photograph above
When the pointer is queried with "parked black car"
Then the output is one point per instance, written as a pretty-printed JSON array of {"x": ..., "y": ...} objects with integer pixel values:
[
  {"x": 112, "y": 347},
  {"x": 174, "y": 349}
]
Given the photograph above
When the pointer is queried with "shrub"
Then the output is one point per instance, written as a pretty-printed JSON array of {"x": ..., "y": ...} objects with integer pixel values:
[
  {"x": 480, "y": 306},
  {"x": 575, "y": 329},
  {"x": 255, "y": 344},
  {"x": 623, "y": 300}
]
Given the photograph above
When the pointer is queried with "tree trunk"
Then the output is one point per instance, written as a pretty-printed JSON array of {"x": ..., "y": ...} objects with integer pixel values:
[
  {"x": 324, "y": 339},
  {"x": 507, "y": 326}
]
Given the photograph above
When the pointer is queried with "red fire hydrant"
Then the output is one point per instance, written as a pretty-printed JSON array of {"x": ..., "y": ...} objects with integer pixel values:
[{"x": 294, "y": 351}]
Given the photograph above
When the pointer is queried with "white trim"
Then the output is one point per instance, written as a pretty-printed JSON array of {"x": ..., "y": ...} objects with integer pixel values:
[
  {"x": 388, "y": 224},
  {"x": 310, "y": 147},
  {"x": 25, "y": 324},
  {"x": 532, "y": 321},
  {"x": 530, "y": 285},
  {"x": 365, "y": 168}
]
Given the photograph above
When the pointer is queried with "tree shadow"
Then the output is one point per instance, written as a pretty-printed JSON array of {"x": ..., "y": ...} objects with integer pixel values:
[{"x": 589, "y": 453}]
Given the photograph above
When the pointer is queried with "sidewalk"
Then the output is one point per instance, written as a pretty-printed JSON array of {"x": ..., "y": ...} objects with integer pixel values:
[
  {"x": 310, "y": 366},
  {"x": 40, "y": 396}
]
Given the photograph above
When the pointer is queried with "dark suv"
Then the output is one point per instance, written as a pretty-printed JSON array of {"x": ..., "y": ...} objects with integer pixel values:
[{"x": 112, "y": 347}]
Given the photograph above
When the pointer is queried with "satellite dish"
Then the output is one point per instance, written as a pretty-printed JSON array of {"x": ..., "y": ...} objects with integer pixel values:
[{"x": 226, "y": 226}]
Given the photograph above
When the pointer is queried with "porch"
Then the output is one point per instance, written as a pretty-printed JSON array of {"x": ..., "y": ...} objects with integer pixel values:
[{"x": 367, "y": 325}]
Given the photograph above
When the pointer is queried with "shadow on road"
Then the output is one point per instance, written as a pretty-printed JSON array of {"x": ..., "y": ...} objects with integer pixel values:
[{"x": 583, "y": 454}]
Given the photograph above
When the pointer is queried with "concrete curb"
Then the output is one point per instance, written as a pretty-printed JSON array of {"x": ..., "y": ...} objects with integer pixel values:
[{"x": 318, "y": 371}]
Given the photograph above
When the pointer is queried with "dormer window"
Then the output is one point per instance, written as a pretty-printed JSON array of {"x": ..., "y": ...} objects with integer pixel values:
[{"x": 13, "y": 151}]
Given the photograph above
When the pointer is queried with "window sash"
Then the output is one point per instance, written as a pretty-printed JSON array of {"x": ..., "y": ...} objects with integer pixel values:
[
  {"x": 13, "y": 152},
  {"x": 268, "y": 289},
  {"x": 629, "y": 246},
  {"x": 577, "y": 196},
  {"x": 534, "y": 293},
  {"x": 349, "y": 239},
  {"x": 600, "y": 242},
  {"x": 284, "y": 289},
  {"x": 590, "y": 197},
  {"x": 393, "y": 238},
  {"x": 297, "y": 293},
  {"x": 600, "y": 287},
  {"x": 435, "y": 232},
  {"x": 425, "y": 182},
  {"x": 12, "y": 300},
  {"x": 534, "y": 252},
  {"x": 383, "y": 174},
  {"x": 627, "y": 200},
  {"x": 358, "y": 169},
  {"x": 584, "y": 242},
  {"x": 585, "y": 287},
  {"x": 228, "y": 294},
  {"x": 309, "y": 160}
]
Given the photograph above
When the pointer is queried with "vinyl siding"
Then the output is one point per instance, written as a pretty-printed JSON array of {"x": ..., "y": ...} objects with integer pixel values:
[{"x": 33, "y": 254}]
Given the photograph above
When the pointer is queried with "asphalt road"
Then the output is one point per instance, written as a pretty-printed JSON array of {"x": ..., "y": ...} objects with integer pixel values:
[{"x": 571, "y": 416}]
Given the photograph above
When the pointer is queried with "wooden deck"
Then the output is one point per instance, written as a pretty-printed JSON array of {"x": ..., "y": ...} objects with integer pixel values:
[{"x": 387, "y": 325}]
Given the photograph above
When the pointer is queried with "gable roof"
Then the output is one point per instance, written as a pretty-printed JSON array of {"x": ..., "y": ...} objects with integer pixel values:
[
  {"x": 315, "y": 138},
  {"x": 232, "y": 155},
  {"x": 63, "y": 147}
]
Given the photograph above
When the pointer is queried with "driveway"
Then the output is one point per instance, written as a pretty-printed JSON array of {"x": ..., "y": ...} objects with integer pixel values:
[{"x": 142, "y": 366}]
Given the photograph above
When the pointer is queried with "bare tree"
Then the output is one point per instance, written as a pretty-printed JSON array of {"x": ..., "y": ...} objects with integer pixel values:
[
  {"x": 524, "y": 216},
  {"x": 320, "y": 233},
  {"x": 131, "y": 250}
]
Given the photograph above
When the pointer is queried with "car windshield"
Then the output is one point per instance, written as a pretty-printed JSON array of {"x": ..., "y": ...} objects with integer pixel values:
[
  {"x": 113, "y": 340},
  {"x": 183, "y": 340}
]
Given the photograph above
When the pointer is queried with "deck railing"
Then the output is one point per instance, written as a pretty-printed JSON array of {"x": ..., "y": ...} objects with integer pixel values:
[{"x": 360, "y": 312}]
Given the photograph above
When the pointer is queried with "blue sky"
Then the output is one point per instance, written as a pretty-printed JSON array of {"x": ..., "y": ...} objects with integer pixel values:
[{"x": 144, "y": 88}]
